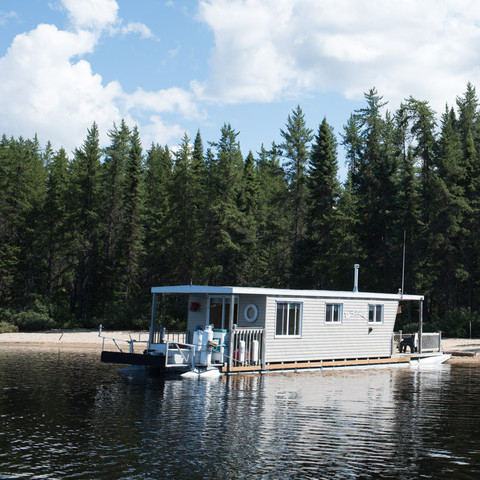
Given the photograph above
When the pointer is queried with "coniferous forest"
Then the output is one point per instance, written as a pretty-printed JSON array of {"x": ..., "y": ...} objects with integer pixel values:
[{"x": 84, "y": 237}]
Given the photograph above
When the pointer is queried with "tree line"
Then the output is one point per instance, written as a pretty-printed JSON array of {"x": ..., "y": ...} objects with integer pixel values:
[{"x": 83, "y": 239}]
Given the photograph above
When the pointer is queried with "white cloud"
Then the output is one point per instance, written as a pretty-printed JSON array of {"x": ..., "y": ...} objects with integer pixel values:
[
  {"x": 5, "y": 16},
  {"x": 270, "y": 49},
  {"x": 43, "y": 91},
  {"x": 49, "y": 89},
  {"x": 91, "y": 14},
  {"x": 140, "y": 28},
  {"x": 157, "y": 131},
  {"x": 168, "y": 100}
]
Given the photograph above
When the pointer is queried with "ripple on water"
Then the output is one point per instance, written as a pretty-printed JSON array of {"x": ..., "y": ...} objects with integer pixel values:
[{"x": 66, "y": 415}]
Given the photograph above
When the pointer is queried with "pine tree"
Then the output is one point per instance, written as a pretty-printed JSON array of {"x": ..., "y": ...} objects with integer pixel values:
[
  {"x": 157, "y": 239},
  {"x": 421, "y": 127},
  {"x": 469, "y": 129},
  {"x": 315, "y": 257},
  {"x": 55, "y": 218},
  {"x": 275, "y": 220},
  {"x": 250, "y": 272},
  {"x": 84, "y": 222},
  {"x": 22, "y": 249},
  {"x": 374, "y": 180},
  {"x": 450, "y": 208},
  {"x": 225, "y": 217},
  {"x": 182, "y": 201},
  {"x": 131, "y": 230},
  {"x": 295, "y": 146},
  {"x": 113, "y": 173}
]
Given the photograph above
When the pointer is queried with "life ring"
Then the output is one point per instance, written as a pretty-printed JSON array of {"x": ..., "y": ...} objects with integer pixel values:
[{"x": 250, "y": 318}]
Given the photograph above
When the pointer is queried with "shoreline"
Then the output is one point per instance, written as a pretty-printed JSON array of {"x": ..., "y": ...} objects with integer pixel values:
[
  {"x": 74, "y": 340},
  {"x": 463, "y": 350}
]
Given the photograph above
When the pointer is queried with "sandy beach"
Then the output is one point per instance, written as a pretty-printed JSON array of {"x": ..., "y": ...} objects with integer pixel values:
[
  {"x": 74, "y": 339},
  {"x": 463, "y": 350}
]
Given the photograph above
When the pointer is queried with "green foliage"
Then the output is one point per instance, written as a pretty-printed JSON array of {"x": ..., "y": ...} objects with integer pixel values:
[
  {"x": 28, "y": 320},
  {"x": 296, "y": 143},
  {"x": 83, "y": 239},
  {"x": 31, "y": 321},
  {"x": 459, "y": 323},
  {"x": 6, "y": 327}
]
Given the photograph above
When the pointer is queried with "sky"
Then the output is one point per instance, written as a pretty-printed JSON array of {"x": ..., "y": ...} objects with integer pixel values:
[{"x": 178, "y": 66}]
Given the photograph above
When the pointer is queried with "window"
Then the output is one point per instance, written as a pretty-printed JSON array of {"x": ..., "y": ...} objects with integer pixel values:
[
  {"x": 289, "y": 319},
  {"x": 334, "y": 313},
  {"x": 375, "y": 313},
  {"x": 219, "y": 311}
]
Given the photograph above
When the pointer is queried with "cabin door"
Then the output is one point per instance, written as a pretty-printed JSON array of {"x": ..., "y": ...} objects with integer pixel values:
[{"x": 219, "y": 312}]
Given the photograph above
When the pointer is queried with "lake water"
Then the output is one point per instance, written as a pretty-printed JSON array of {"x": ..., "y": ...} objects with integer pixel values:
[{"x": 66, "y": 415}]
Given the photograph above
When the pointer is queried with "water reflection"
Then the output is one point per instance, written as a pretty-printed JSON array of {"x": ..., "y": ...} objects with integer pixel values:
[{"x": 65, "y": 415}]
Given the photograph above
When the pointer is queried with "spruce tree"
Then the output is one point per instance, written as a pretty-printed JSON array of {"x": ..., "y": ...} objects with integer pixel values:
[
  {"x": 113, "y": 171},
  {"x": 249, "y": 204},
  {"x": 22, "y": 246},
  {"x": 295, "y": 146},
  {"x": 450, "y": 208},
  {"x": 56, "y": 226},
  {"x": 315, "y": 261},
  {"x": 182, "y": 221},
  {"x": 469, "y": 129},
  {"x": 374, "y": 181},
  {"x": 85, "y": 222},
  {"x": 157, "y": 238},
  {"x": 225, "y": 218},
  {"x": 275, "y": 220},
  {"x": 130, "y": 245}
]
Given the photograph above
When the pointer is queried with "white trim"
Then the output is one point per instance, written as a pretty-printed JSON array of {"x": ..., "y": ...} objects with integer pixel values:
[
  {"x": 300, "y": 323},
  {"x": 225, "y": 299},
  {"x": 340, "y": 314},
  {"x": 330, "y": 294},
  {"x": 375, "y": 305}
]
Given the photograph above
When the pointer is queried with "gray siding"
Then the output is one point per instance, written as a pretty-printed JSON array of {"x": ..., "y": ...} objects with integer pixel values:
[
  {"x": 322, "y": 341},
  {"x": 198, "y": 317},
  {"x": 259, "y": 302}
]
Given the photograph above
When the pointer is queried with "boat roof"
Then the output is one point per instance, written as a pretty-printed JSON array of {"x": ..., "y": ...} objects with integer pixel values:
[{"x": 284, "y": 292}]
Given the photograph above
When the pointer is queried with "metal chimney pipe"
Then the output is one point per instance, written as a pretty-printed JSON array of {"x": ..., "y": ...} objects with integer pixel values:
[{"x": 355, "y": 283}]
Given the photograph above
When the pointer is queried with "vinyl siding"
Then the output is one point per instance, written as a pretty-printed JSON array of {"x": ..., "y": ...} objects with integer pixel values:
[
  {"x": 259, "y": 302},
  {"x": 198, "y": 317},
  {"x": 322, "y": 341}
]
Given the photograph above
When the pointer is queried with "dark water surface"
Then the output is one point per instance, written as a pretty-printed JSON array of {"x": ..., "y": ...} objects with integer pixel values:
[{"x": 65, "y": 415}]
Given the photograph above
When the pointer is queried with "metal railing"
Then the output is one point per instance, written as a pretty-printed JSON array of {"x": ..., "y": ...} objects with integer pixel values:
[
  {"x": 248, "y": 347},
  {"x": 178, "y": 337},
  {"x": 131, "y": 341},
  {"x": 430, "y": 342}
]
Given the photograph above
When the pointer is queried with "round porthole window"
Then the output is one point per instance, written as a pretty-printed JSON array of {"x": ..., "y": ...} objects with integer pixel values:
[{"x": 250, "y": 313}]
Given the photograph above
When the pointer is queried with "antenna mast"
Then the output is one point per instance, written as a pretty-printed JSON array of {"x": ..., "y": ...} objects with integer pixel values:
[{"x": 403, "y": 262}]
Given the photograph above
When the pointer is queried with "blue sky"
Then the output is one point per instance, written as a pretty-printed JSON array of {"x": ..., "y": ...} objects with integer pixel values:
[{"x": 177, "y": 66}]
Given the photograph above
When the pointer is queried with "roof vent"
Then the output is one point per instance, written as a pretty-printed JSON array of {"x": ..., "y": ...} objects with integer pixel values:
[{"x": 355, "y": 283}]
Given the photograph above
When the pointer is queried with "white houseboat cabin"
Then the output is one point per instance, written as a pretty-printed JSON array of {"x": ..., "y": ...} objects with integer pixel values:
[{"x": 241, "y": 329}]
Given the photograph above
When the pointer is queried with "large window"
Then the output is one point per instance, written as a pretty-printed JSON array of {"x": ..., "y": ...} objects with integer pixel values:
[
  {"x": 289, "y": 319},
  {"x": 375, "y": 313},
  {"x": 333, "y": 313}
]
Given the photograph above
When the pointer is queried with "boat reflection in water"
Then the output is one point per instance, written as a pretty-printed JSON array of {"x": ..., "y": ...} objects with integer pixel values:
[{"x": 66, "y": 415}]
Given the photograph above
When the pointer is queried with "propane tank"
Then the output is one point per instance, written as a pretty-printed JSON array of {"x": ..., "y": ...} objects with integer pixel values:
[{"x": 206, "y": 352}]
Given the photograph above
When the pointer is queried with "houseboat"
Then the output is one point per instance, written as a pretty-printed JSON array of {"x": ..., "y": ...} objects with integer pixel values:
[{"x": 245, "y": 329}]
